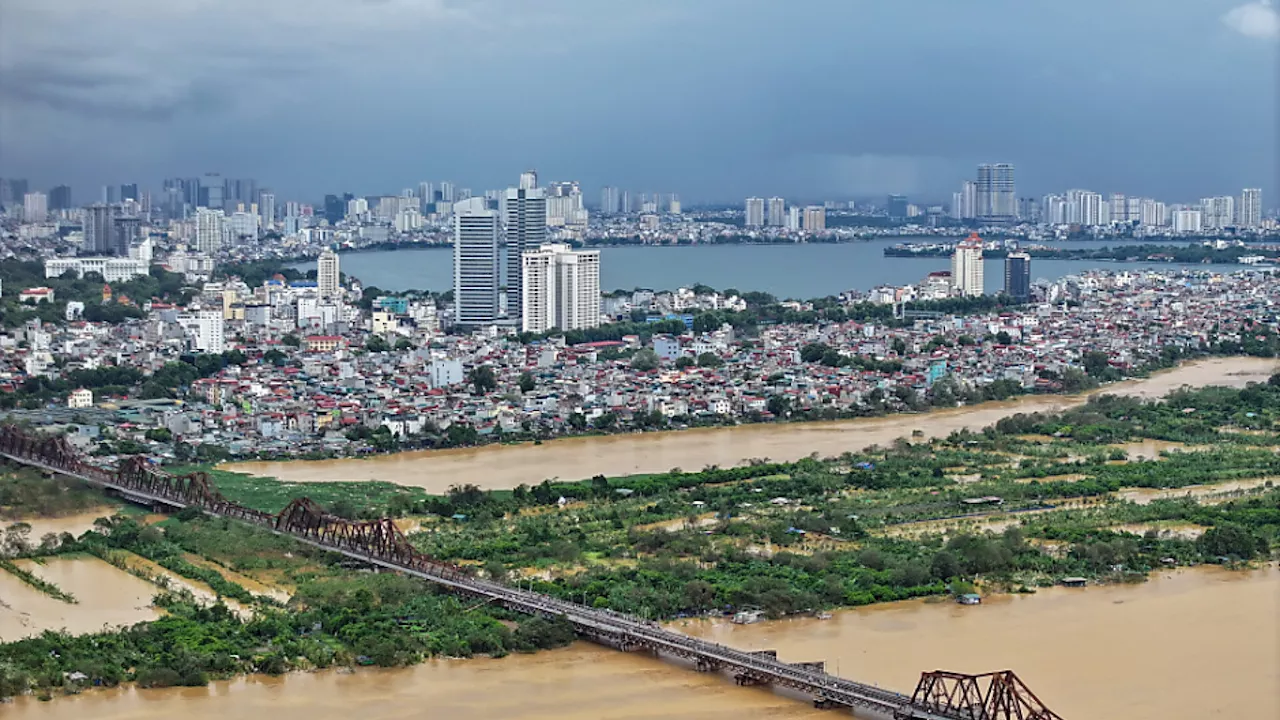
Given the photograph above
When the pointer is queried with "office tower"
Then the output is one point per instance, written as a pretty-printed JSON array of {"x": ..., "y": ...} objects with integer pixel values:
[
  {"x": 111, "y": 194},
  {"x": 1188, "y": 221},
  {"x": 128, "y": 228},
  {"x": 267, "y": 209},
  {"x": 528, "y": 180},
  {"x": 755, "y": 212},
  {"x": 526, "y": 229},
  {"x": 129, "y": 192},
  {"x": 561, "y": 289},
  {"x": 609, "y": 200},
  {"x": 239, "y": 192},
  {"x": 1017, "y": 276},
  {"x": 966, "y": 267},
  {"x": 209, "y": 224},
  {"x": 1218, "y": 212},
  {"x": 212, "y": 192},
  {"x": 35, "y": 207},
  {"x": 815, "y": 218},
  {"x": 335, "y": 208},
  {"x": 896, "y": 206},
  {"x": 777, "y": 214},
  {"x": 475, "y": 263},
  {"x": 426, "y": 197},
  {"x": 1250, "y": 208},
  {"x": 60, "y": 198},
  {"x": 996, "y": 194},
  {"x": 99, "y": 229},
  {"x": 328, "y": 276},
  {"x": 447, "y": 192}
]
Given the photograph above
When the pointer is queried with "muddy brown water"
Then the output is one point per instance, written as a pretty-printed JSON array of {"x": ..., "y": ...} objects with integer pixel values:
[
  {"x": 1189, "y": 644},
  {"x": 106, "y": 595},
  {"x": 506, "y": 466}
]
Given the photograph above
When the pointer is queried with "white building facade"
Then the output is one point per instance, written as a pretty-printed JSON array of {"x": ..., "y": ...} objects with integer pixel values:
[{"x": 561, "y": 289}]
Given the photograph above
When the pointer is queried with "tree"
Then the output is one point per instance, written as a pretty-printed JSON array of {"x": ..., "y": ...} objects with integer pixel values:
[
  {"x": 709, "y": 360},
  {"x": 1095, "y": 363},
  {"x": 527, "y": 383},
  {"x": 1228, "y": 540},
  {"x": 403, "y": 344},
  {"x": 645, "y": 360},
  {"x": 376, "y": 344},
  {"x": 899, "y": 347},
  {"x": 1004, "y": 338},
  {"x": 274, "y": 356},
  {"x": 291, "y": 340},
  {"x": 683, "y": 362},
  {"x": 779, "y": 405},
  {"x": 813, "y": 352},
  {"x": 483, "y": 378}
]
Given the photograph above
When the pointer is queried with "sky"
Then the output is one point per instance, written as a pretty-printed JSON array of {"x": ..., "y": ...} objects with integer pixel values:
[{"x": 712, "y": 99}]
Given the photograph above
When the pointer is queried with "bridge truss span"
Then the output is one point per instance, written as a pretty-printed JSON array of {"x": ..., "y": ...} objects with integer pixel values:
[{"x": 939, "y": 696}]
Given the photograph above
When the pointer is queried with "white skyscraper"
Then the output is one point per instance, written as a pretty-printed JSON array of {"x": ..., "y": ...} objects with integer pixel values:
[
  {"x": 1054, "y": 208},
  {"x": 267, "y": 210},
  {"x": 35, "y": 207},
  {"x": 475, "y": 263},
  {"x": 526, "y": 229},
  {"x": 777, "y": 212},
  {"x": 561, "y": 289},
  {"x": 528, "y": 180},
  {"x": 1250, "y": 208},
  {"x": 968, "y": 200},
  {"x": 1218, "y": 212},
  {"x": 610, "y": 201},
  {"x": 327, "y": 275},
  {"x": 1188, "y": 221},
  {"x": 794, "y": 218},
  {"x": 564, "y": 205},
  {"x": 755, "y": 212},
  {"x": 966, "y": 267},
  {"x": 205, "y": 330},
  {"x": 209, "y": 230}
]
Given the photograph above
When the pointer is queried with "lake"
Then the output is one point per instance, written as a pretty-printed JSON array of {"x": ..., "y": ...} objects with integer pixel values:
[{"x": 788, "y": 271}]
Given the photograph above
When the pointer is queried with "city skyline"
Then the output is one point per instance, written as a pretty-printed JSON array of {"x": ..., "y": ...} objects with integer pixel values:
[{"x": 85, "y": 111}]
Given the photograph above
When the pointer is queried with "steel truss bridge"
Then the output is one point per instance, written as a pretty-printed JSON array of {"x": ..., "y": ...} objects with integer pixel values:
[{"x": 938, "y": 696}]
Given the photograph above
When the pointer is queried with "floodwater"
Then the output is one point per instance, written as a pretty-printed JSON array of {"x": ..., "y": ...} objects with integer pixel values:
[
  {"x": 75, "y": 524},
  {"x": 506, "y": 466},
  {"x": 1205, "y": 494},
  {"x": 106, "y": 595},
  {"x": 1190, "y": 644}
]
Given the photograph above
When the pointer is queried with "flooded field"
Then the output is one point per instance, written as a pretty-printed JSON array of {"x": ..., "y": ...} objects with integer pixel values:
[
  {"x": 504, "y": 467},
  {"x": 107, "y": 596},
  {"x": 1144, "y": 652},
  {"x": 75, "y": 524},
  {"x": 1218, "y": 492}
]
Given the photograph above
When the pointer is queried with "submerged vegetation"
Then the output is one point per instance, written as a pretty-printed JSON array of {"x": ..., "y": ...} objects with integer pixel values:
[{"x": 1108, "y": 491}]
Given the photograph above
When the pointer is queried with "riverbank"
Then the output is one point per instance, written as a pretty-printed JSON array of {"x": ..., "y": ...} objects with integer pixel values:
[
  {"x": 505, "y": 467},
  {"x": 1139, "y": 652}
]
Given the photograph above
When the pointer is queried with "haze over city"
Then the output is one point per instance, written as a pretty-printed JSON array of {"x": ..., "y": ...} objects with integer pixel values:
[{"x": 716, "y": 99}]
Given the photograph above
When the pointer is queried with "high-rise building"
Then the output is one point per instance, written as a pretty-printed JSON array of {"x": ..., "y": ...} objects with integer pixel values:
[
  {"x": 1218, "y": 212},
  {"x": 35, "y": 207},
  {"x": 1053, "y": 209},
  {"x": 212, "y": 192},
  {"x": 1188, "y": 221},
  {"x": 777, "y": 212},
  {"x": 129, "y": 191},
  {"x": 755, "y": 212},
  {"x": 328, "y": 276},
  {"x": 610, "y": 200},
  {"x": 475, "y": 263},
  {"x": 996, "y": 193},
  {"x": 896, "y": 206},
  {"x": 128, "y": 228},
  {"x": 267, "y": 209},
  {"x": 447, "y": 192},
  {"x": 528, "y": 180},
  {"x": 795, "y": 218},
  {"x": 673, "y": 205},
  {"x": 60, "y": 198},
  {"x": 1152, "y": 213},
  {"x": 564, "y": 204},
  {"x": 561, "y": 289},
  {"x": 1017, "y": 276},
  {"x": 209, "y": 229},
  {"x": 239, "y": 192},
  {"x": 1250, "y": 208},
  {"x": 99, "y": 229},
  {"x": 111, "y": 194},
  {"x": 12, "y": 190},
  {"x": 626, "y": 205},
  {"x": 335, "y": 208},
  {"x": 968, "y": 200},
  {"x": 966, "y": 267},
  {"x": 815, "y": 218},
  {"x": 526, "y": 229}
]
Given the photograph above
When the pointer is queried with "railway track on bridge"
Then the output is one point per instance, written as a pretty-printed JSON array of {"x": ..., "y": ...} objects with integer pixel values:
[{"x": 939, "y": 695}]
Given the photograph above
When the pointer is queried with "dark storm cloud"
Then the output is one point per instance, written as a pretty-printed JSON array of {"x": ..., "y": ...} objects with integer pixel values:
[{"x": 711, "y": 98}]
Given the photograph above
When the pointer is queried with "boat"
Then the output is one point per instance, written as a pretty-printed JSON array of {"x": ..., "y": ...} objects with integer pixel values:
[{"x": 746, "y": 617}]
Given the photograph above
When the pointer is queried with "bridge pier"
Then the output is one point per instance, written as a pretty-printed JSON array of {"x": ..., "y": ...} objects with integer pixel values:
[
  {"x": 705, "y": 665},
  {"x": 749, "y": 680},
  {"x": 823, "y": 703}
]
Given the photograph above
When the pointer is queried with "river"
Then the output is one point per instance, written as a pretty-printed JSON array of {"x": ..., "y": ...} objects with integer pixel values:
[
  {"x": 506, "y": 466},
  {"x": 1188, "y": 645},
  {"x": 799, "y": 271}
]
